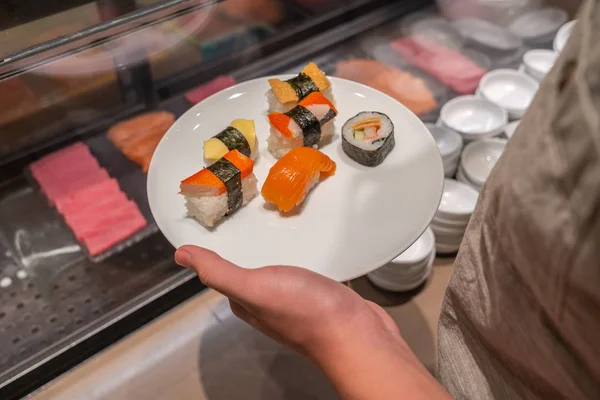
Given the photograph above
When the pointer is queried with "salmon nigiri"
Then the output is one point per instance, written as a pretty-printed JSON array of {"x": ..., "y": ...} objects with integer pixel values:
[
  {"x": 292, "y": 177},
  {"x": 220, "y": 189}
]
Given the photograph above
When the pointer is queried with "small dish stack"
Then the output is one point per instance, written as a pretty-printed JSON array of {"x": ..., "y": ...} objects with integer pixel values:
[
  {"x": 478, "y": 160},
  {"x": 410, "y": 269},
  {"x": 451, "y": 220},
  {"x": 450, "y": 145},
  {"x": 473, "y": 117}
]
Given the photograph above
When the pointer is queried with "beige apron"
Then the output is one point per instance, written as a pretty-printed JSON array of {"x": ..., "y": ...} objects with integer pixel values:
[{"x": 521, "y": 317}]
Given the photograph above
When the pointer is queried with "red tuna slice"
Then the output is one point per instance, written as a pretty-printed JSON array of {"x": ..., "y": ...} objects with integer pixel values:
[
  {"x": 88, "y": 196},
  {"x": 58, "y": 190},
  {"x": 68, "y": 172},
  {"x": 104, "y": 240},
  {"x": 77, "y": 209},
  {"x": 105, "y": 217},
  {"x": 449, "y": 66},
  {"x": 76, "y": 151},
  {"x": 199, "y": 93}
]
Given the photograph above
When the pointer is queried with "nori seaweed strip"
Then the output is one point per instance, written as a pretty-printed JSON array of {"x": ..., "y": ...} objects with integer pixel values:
[
  {"x": 311, "y": 127},
  {"x": 231, "y": 177},
  {"x": 234, "y": 140},
  {"x": 328, "y": 117},
  {"x": 303, "y": 85},
  {"x": 369, "y": 158}
]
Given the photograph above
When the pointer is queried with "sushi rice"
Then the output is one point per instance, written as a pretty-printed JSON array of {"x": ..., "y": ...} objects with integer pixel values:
[{"x": 209, "y": 209}]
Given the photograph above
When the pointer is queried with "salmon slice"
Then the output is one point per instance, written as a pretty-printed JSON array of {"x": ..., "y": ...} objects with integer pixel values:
[
  {"x": 401, "y": 85},
  {"x": 143, "y": 125},
  {"x": 291, "y": 178},
  {"x": 206, "y": 183}
]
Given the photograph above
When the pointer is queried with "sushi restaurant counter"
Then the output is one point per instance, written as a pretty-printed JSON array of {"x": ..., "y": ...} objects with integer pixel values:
[{"x": 201, "y": 351}]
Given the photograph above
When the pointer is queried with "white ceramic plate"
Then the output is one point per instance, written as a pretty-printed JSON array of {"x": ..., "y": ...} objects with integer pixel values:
[
  {"x": 352, "y": 223},
  {"x": 509, "y": 89},
  {"x": 473, "y": 116},
  {"x": 563, "y": 36},
  {"x": 479, "y": 159}
]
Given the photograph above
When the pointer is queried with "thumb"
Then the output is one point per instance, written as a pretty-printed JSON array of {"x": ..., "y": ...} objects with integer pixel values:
[{"x": 214, "y": 271}]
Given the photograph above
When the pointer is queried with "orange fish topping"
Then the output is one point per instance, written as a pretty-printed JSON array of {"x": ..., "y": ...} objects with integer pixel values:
[
  {"x": 207, "y": 179},
  {"x": 291, "y": 177}
]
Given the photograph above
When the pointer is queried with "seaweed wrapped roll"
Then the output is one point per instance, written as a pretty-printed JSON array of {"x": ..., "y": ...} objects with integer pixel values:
[
  {"x": 368, "y": 138},
  {"x": 285, "y": 95}
]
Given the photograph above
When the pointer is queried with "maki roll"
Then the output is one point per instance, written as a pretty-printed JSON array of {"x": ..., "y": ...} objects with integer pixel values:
[
  {"x": 368, "y": 138},
  {"x": 220, "y": 189},
  {"x": 285, "y": 95},
  {"x": 294, "y": 175},
  {"x": 309, "y": 124},
  {"x": 239, "y": 135}
]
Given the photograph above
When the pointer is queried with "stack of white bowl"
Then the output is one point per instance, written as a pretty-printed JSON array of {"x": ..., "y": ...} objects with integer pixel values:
[
  {"x": 451, "y": 220},
  {"x": 410, "y": 269},
  {"x": 477, "y": 161},
  {"x": 450, "y": 145},
  {"x": 473, "y": 117}
]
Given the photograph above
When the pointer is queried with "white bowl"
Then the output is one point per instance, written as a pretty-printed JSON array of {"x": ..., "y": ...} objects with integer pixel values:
[
  {"x": 440, "y": 222},
  {"x": 461, "y": 177},
  {"x": 511, "y": 127},
  {"x": 446, "y": 249},
  {"x": 449, "y": 142},
  {"x": 490, "y": 36},
  {"x": 479, "y": 158},
  {"x": 452, "y": 232},
  {"x": 509, "y": 89},
  {"x": 458, "y": 200},
  {"x": 417, "y": 252},
  {"x": 539, "y": 62},
  {"x": 401, "y": 284},
  {"x": 473, "y": 117},
  {"x": 563, "y": 35},
  {"x": 442, "y": 240},
  {"x": 538, "y": 25}
]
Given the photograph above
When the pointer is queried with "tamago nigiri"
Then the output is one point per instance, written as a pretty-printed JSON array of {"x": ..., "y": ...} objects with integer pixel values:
[
  {"x": 294, "y": 175},
  {"x": 220, "y": 189}
]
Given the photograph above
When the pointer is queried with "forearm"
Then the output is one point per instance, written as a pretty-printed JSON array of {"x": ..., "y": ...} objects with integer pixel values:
[{"x": 380, "y": 371}]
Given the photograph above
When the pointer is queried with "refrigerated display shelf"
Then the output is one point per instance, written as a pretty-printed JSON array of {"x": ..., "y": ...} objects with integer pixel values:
[{"x": 55, "y": 318}]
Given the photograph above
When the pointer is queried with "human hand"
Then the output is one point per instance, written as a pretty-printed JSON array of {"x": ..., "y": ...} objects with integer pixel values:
[{"x": 299, "y": 308}]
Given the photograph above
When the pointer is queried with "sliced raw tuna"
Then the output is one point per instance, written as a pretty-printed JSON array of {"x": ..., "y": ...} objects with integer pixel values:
[
  {"x": 81, "y": 209},
  {"x": 88, "y": 196},
  {"x": 102, "y": 216},
  {"x": 199, "y": 93},
  {"x": 58, "y": 190},
  {"x": 104, "y": 240},
  {"x": 75, "y": 149},
  {"x": 449, "y": 66}
]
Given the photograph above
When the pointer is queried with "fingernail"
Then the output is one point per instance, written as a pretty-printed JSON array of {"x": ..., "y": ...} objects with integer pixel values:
[{"x": 183, "y": 258}]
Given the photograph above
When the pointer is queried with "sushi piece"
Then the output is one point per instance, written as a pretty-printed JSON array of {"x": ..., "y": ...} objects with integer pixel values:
[
  {"x": 239, "y": 135},
  {"x": 368, "y": 138},
  {"x": 285, "y": 95},
  {"x": 220, "y": 189},
  {"x": 309, "y": 124},
  {"x": 294, "y": 175}
]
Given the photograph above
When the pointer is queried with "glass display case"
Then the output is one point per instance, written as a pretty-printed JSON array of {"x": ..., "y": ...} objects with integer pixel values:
[{"x": 72, "y": 69}]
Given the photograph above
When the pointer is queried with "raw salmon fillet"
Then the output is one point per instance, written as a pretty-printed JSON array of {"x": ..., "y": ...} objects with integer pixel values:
[{"x": 401, "y": 85}]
